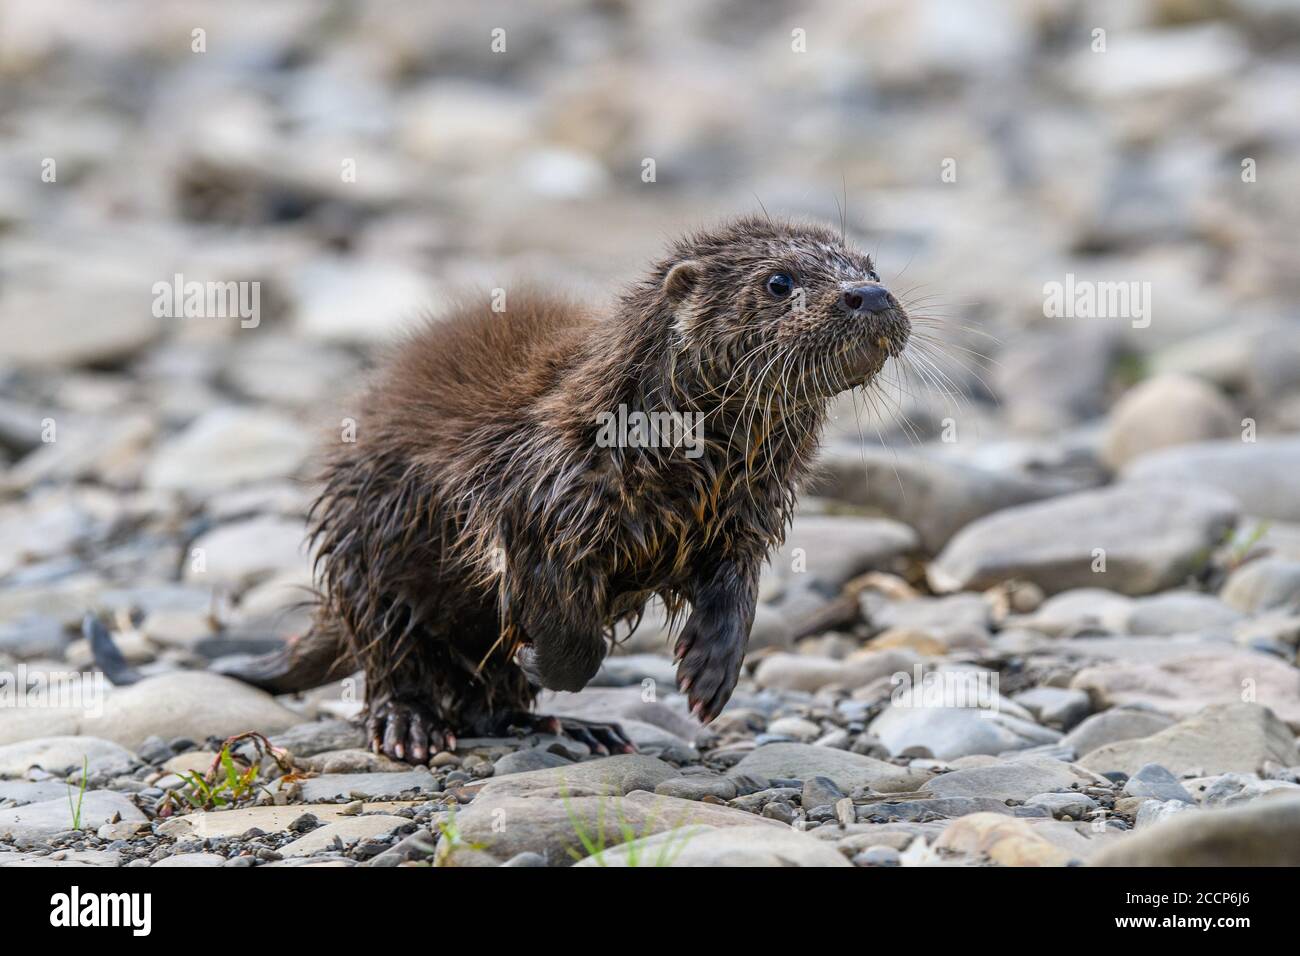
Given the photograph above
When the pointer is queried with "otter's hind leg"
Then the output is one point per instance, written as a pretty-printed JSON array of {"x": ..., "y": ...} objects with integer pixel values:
[
  {"x": 404, "y": 716},
  {"x": 441, "y": 680},
  {"x": 451, "y": 679}
]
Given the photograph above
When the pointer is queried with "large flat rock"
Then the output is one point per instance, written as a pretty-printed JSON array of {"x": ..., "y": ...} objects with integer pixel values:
[
  {"x": 1263, "y": 585},
  {"x": 33, "y": 791},
  {"x": 64, "y": 754},
  {"x": 605, "y": 776},
  {"x": 249, "y": 550},
  {"x": 1152, "y": 535},
  {"x": 1261, "y": 475},
  {"x": 347, "y": 830},
  {"x": 952, "y": 732},
  {"x": 1222, "y": 738},
  {"x": 40, "y": 821},
  {"x": 1111, "y": 726},
  {"x": 1263, "y": 833},
  {"x": 719, "y": 846},
  {"x": 1184, "y": 683},
  {"x": 793, "y": 761},
  {"x": 73, "y": 309},
  {"x": 227, "y": 447},
  {"x": 934, "y": 495},
  {"x": 203, "y": 824},
  {"x": 74, "y": 859},
  {"x": 785, "y": 671},
  {"x": 567, "y": 828},
  {"x": 21, "y": 724},
  {"x": 831, "y": 550},
  {"x": 1009, "y": 780},
  {"x": 368, "y": 786},
  {"x": 191, "y": 860},
  {"x": 192, "y": 704}
]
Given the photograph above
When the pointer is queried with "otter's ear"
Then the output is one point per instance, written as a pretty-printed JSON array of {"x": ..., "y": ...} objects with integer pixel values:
[{"x": 681, "y": 280}]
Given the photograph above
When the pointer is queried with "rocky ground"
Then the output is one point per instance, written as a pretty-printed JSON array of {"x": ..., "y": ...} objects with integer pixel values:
[{"x": 1094, "y": 523}]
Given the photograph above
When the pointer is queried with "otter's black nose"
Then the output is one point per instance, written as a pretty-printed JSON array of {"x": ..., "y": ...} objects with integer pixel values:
[{"x": 866, "y": 299}]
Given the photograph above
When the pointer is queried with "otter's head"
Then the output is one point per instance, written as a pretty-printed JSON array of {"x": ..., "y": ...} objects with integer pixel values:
[{"x": 772, "y": 304}]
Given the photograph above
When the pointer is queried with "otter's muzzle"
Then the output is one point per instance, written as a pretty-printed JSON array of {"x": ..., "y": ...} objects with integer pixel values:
[
  {"x": 866, "y": 300},
  {"x": 880, "y": 321}
]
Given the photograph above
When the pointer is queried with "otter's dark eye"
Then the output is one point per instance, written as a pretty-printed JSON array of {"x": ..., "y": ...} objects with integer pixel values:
[{"x": 780, "y": 285}]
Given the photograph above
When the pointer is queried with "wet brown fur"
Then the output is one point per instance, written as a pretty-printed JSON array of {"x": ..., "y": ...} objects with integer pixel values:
[{"x": 476, "y": 517}]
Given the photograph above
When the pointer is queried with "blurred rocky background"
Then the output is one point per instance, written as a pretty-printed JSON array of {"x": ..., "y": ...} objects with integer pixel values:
[{"x": 362, "y": 163}]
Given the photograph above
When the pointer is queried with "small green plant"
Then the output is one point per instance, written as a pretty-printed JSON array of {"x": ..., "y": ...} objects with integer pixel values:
[
  {"x": 1239, "y": 546},
  {"x": 232, "y": 789},
  {"x": 81, "y": 795},
  {"x": 225, "y": 783},
  {"x": 669, "y": 849},
  {"x": 1231, "y": 552},
  {"x": 450, "y": 834},
  {"x": 1129, "y": 369},
  {"x": 635, "y": 843}
]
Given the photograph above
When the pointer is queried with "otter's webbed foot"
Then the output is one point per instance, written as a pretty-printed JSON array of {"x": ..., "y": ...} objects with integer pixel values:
[
  {"x": 600, "y": 736},
  {"x": 406, "y": 730}
]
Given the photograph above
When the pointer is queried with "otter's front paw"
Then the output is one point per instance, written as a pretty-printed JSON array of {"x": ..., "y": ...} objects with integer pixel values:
[
  {"x": 600, "y": 737},
  {"x": 709, "y": 653},
  {"x": 570, "y": 666},
  {"x": 406, "y": 730}
]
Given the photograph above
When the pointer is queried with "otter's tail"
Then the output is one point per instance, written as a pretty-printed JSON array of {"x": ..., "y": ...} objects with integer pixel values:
[
  {"x": 108, "y": 656},
  {"x": 306, "y": 661}
]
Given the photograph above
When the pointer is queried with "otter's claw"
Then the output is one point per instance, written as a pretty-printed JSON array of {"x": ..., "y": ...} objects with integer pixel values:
[
  {"x": 708, "y": 663},
  {"x": 600, "y": 737},
  {"x": 406, "y": 731}
]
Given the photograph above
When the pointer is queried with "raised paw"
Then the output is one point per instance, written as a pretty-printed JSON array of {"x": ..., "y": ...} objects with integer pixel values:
[
  {"x": 708, "y": 664},
  {"x": 406, "y": 731}
]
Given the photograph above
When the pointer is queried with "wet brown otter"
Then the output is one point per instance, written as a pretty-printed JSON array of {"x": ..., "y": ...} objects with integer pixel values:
[{"x": 480, "y": 540}]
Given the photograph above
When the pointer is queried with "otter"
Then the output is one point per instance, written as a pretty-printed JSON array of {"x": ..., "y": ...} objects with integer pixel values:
[{"x": 482, "y": 537}]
